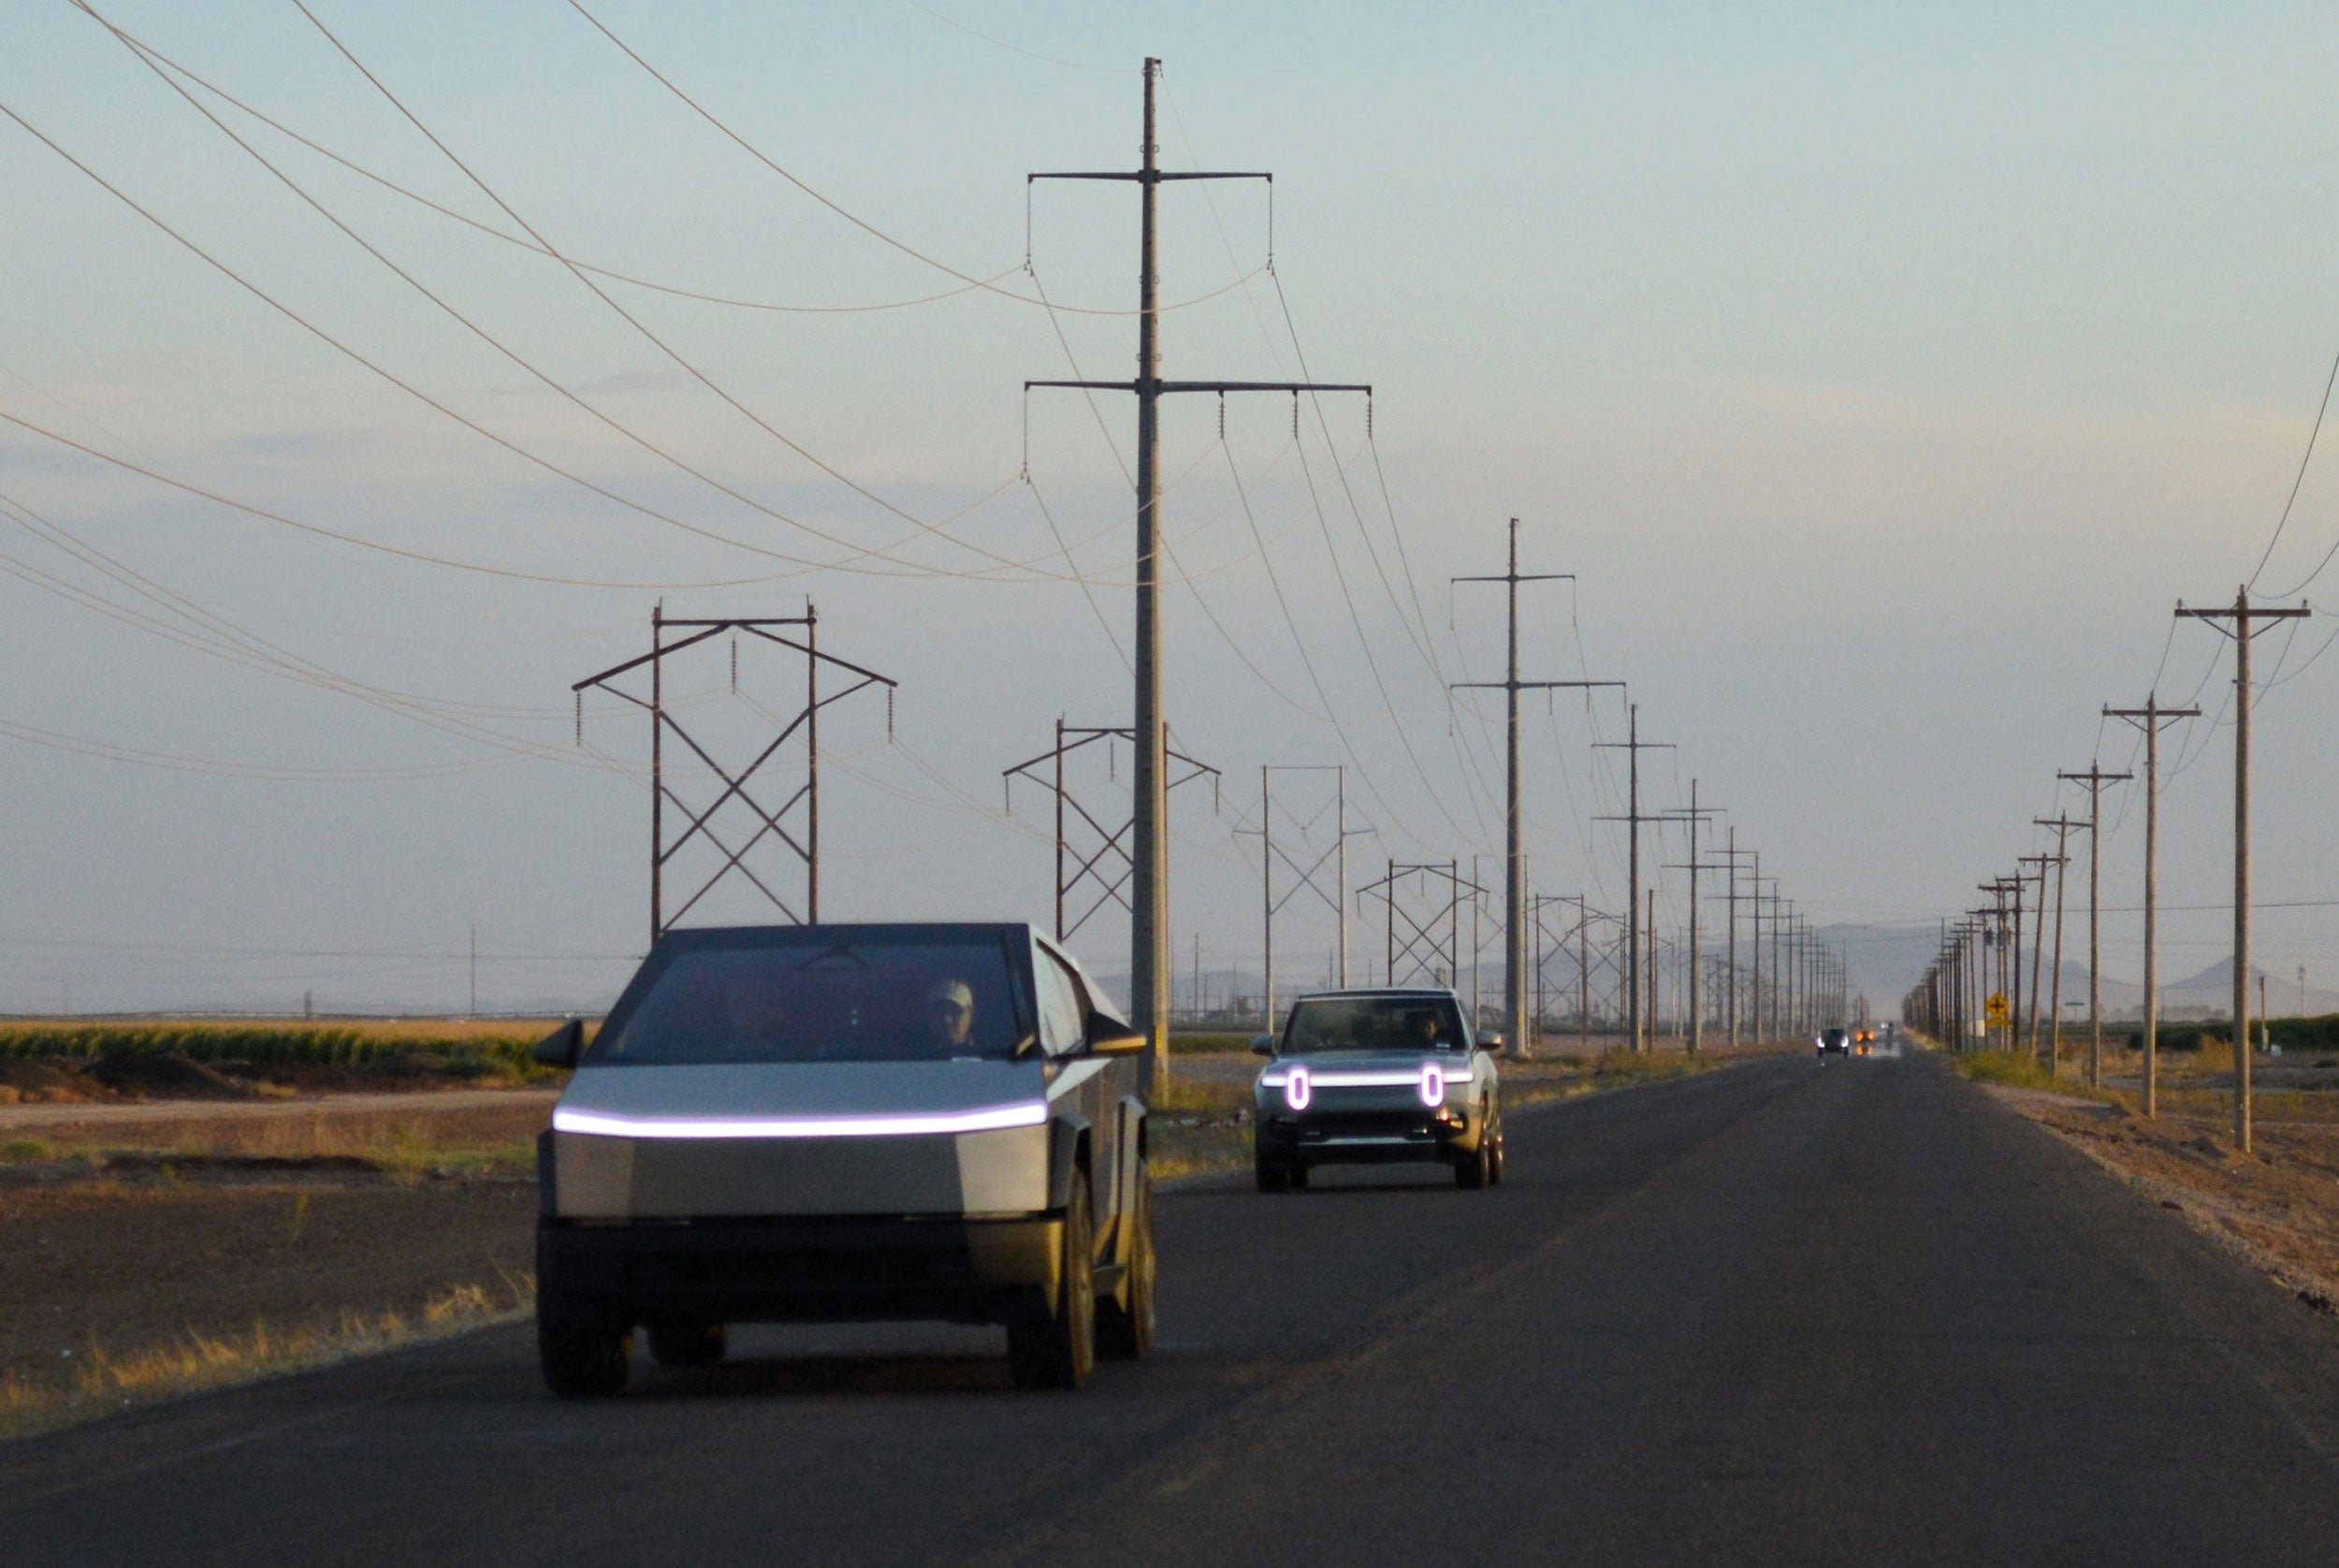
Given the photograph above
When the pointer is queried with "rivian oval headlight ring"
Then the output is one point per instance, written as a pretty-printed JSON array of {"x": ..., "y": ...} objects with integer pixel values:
[
  {"x": 1432, "y": 1083},
  {"x": 1296, "y": 1090}
]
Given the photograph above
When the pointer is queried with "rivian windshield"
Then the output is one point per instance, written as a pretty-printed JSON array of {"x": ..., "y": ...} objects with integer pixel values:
[
  {"x": 809, "y": 995},
  {"x": 1373, "y": 1023}
]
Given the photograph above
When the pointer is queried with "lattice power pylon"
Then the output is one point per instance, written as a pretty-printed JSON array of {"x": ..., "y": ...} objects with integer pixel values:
[
  {"x": 1423, "y": 902},
  {"x": 730, "y": 829},
  {"x": 1090, "y": 857}
]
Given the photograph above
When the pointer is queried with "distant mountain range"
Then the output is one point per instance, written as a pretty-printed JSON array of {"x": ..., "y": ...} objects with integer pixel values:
[{"x": 1886, "y": 961}]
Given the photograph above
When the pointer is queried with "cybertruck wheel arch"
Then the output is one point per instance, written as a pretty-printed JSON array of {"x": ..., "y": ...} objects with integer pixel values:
[{"x": 1068, "y": 1158}]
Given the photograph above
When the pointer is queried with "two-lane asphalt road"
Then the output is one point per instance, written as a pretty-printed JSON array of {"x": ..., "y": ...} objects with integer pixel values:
[{"x": 1791, "y": 1311}]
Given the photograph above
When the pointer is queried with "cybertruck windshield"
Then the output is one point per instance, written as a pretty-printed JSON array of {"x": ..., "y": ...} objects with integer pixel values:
[
  {"x": 1373, "y": 1024},
  {"x": 813, "y": 994}
]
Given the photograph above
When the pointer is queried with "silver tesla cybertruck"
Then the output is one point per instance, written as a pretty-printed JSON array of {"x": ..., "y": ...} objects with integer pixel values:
[
  {"x": 828, "y": 1123},
  {"x": 1366, "y": 1076}
]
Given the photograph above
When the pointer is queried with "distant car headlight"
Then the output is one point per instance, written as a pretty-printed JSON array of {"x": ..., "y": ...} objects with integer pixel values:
[
  {"x": 1432, "y": 1083},
  {"x": 1296, "y": 1090}
]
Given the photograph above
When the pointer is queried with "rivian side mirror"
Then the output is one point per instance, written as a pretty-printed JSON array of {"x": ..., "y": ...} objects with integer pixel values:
[
  {"x": 1490, "y": 1039},
  {"x": 1263, "y": 1045},
  {"x": 562, "y": 1048},
  {"x": 1109, "y": 1037}
]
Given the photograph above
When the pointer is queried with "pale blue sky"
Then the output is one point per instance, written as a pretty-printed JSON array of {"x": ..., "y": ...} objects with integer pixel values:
[{"x": 1885, "y": 373}]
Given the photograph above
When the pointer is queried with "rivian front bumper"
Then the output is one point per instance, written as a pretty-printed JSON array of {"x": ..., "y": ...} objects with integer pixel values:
[{"x": 1396, "y": 1114}]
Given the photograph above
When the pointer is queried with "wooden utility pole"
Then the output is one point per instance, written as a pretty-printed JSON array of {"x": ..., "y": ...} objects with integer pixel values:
[
  {"x": 2038, "y": 940},
  {"x": 1730, "y": 993},
  {"x": 1998, "y": 889},
  {"x": 2245, "y": 618},
  {"x": 2094, "y": 778},
  {"x": 1760, "y": 999},
  {"x": 1693, "y": 816},
  {"x": 1514, "y": 853},
  {"x": 1149, "y": 848},
  {"x": 2151, "y": 719},
  {"x": 2064, "y": 827},
  {"x": 1633, "y": 746}
]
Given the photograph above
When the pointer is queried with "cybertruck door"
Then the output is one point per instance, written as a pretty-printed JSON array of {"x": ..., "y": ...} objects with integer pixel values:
[{"x": 1086, "y": 1081}]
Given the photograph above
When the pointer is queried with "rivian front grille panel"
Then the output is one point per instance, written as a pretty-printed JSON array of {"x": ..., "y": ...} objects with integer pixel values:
[{"x": 1365, "y": 1123}]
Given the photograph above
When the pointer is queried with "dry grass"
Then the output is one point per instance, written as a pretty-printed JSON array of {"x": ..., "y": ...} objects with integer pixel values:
[{"x": 103, "y": 1382}]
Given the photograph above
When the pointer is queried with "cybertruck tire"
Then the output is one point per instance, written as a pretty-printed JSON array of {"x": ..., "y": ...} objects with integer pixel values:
[
  {"x": 1124, "y": 1327},
  {"x": 584, "y": 1355},
  {"x": 1060, "y": 1350},
  {"x": 688, "y": 1344}
]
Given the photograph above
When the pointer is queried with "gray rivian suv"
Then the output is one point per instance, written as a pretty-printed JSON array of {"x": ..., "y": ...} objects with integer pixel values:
[
  {"x": 838, "y": 1122},
  {"x": 1370, "y": 1075}
]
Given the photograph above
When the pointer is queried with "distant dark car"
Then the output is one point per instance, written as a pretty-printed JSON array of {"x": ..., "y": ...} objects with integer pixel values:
[{"x": 1834, "y": 1042}]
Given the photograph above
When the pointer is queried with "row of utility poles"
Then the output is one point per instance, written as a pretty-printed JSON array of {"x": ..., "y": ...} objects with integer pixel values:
[
  {"x": 1102, "y": 862},
  {"x": 1974, "y": 987}
]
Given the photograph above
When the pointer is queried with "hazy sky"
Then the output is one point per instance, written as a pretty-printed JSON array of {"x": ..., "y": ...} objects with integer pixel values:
[{"x": 1885, "y": 373}]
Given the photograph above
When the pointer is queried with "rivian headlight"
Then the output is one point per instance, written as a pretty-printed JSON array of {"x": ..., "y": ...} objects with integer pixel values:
[
  {"x": 1432, "y": 1083},
  {"x": 1296, "y": 1090}
]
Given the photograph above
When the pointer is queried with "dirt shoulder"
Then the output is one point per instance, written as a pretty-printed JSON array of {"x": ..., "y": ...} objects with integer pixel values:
[
  {"x": 2277, "y": 1207},
  {"x": 135, "y": 1278}
]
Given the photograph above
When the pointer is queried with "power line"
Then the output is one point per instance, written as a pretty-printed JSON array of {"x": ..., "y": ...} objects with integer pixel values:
[{"x": 2300, "y": 478}]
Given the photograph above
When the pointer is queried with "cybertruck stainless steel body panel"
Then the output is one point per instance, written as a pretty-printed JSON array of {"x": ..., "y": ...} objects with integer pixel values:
[
  {"x": 802, "y": 1186},
  {"x": 803, "y": 1138}
]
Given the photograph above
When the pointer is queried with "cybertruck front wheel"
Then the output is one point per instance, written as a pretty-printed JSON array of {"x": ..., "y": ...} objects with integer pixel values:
[
  {"x": 1125, "y": 1326},
  {"x": 1060, "y": 1350},
  {"x": 584, "y": 1355}
]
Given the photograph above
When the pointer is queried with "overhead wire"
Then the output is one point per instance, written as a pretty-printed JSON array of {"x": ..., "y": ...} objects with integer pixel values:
[
  {"x": 837, "y": 208},
  {"x": 680, "y": 361},
  {"x": 2297, "y": 480},
  {"x": 855, "y": 551}
]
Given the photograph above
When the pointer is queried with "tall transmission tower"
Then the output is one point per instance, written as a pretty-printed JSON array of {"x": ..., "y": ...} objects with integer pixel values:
[
  {"x": 1091, "y": 855},
  {"x": 1424, "y": 943},
  {"x": 1149, "y": 882},
  {"x": 1515, "y": 1024},
  {"x": 1303, "y": 872},
  {"x": 2246, "y": 618},
  {"x": 794, "y": 824}
]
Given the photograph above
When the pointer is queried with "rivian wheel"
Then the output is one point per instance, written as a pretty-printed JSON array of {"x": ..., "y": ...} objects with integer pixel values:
[
  {"x": 679, "y": 1344},
  {"x": 1124, "y": 1327},
  {"x": 1476, "y": 1170},
  {"x": 584, "y": 1355},
  {"x": 1059, "y": 1350},
  {"x": 1494, "y": 1135}
]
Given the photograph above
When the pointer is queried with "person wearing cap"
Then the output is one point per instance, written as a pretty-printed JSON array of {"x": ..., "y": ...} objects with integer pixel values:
[{"x": 951, "y": 1012}]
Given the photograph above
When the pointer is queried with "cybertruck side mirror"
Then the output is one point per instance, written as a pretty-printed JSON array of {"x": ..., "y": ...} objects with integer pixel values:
[
  {"x": 562, "y": 1048},
  {"x": 1112, "y": 1037},
  {"x": 1263, "y": 1045}
]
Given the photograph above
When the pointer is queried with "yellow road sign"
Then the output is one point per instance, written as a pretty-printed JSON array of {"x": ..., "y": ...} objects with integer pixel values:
[{"x": 1996, "y": 1009}]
